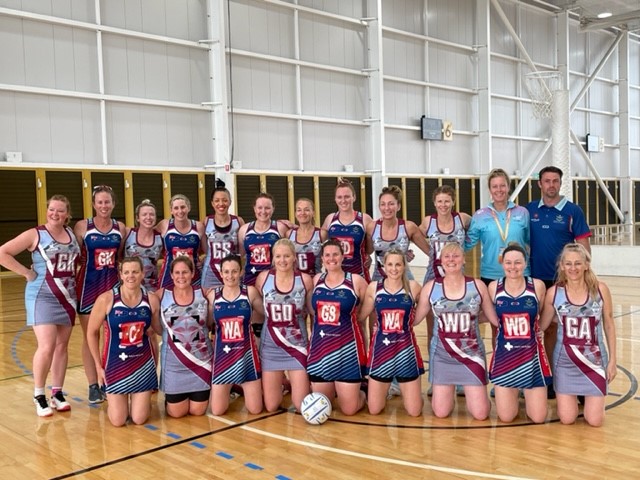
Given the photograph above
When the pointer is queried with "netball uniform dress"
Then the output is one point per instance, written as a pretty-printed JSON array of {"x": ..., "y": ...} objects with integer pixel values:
[
  {"x": 393, "y": 351},
  {"x": 519, "y": 360},
  {"x": 258, "y": 246},
  {"x": 352, "y": 238},
  {"x": 235, "y": 354},
  {"x": 580, "y": 357},
  {"x": 128, "y": 362},
  {"x": 178, "y": 244},
  {"x": 438, "y": 239},
  {"x": 186, "y": 348},
  {"x": 381, "y": 246},
  {"x": 308, "y": 254},
  {"x": 222, "y": 241},
  {"x": 50, "y": 299},
  {"x": 336, "y": 349},
  {"x": 98, "y": 265},
  {"x": 149, "y": 254},
  {"x": 283, "y": 343},
  {"x": 457, "y": 354}
]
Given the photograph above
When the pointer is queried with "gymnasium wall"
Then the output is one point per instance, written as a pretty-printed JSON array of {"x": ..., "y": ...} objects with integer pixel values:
[{"x": 309, "y": 87}]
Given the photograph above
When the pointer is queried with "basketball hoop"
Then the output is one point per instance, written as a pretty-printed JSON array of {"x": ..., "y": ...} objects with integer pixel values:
[{"x": 541, "y": 86}]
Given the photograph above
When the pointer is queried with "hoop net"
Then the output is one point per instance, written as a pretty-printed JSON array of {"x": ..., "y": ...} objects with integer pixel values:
[{"x": 541, "y": 85}]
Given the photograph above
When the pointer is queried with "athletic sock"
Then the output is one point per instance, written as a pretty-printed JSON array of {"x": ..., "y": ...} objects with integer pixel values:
[
  {"x": 55, "y": 390},
  {"x": 38, "y": 391}
]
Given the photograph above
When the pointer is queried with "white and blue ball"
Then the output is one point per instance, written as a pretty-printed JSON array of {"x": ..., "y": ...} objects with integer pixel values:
[{"x": 316, "y": 408}]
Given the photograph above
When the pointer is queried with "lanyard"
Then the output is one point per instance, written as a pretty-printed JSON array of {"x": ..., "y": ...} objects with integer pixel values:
[{"x": 503, "y": 233}]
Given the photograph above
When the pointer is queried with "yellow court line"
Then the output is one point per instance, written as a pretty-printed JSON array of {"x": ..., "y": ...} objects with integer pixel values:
[{"x": 376, "y": 458}]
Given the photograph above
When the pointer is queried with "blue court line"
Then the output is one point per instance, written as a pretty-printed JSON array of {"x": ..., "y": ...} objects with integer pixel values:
[
  {"x": 175, "y": 436},
  {"x": 198, "y": 445},
  {"x": 253, "y": 466},
  {"x": 14, "y": 351},
  {"x": 225, "y": 455},
  {"x": 77, "y": 399},
  {"x": 151, "y": 427},
  {"x": 282, "y": 477}
]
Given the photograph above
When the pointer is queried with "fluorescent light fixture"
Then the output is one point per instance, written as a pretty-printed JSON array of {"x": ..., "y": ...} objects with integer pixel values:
[{"x": 605, "y": 15}]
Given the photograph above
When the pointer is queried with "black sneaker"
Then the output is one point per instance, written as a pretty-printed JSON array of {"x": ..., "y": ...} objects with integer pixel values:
[
  {"x": 42, "y": 407},
  {"x": 95, "y": 394},
  {"x": 59, "y": 403}
]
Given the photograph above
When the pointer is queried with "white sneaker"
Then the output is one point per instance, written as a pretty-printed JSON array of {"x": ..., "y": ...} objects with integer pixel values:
[
  {"x": 394, "y": 390},
  {"x": 59, "y": 403},
  {"x": 42, "y": 407}
]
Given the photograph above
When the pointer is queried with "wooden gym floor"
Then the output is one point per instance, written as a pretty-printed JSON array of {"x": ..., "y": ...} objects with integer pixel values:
[{"x": 83, "y": 444}]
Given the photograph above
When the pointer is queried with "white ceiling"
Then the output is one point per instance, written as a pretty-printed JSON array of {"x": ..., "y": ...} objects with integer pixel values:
[{"x": 625, "y": 13}]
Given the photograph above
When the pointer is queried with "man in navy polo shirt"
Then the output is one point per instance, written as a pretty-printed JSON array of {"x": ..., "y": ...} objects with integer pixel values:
[{"x": 554, "y": 222}]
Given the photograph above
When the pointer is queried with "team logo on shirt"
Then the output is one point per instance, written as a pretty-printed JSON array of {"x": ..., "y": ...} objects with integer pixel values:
[
  {"x": 104, "y": 258},
  {"x": 455, "y": 322},
  {"x": 260, "y": 254},
  {"x": 131, "y": 334},
  {"x": 328, "y": 313},
  {"x": 65, "y": 264},
  {"x": 182, "y": 252},
  {"x": 516, "y": 326},
  {"x": 392, "y": 320},
  {"x": 348, "y": 246},
  {"x": 231, "y": 329}
]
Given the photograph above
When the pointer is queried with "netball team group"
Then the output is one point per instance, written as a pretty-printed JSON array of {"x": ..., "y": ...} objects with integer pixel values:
[{"x": 269, "y": 306}]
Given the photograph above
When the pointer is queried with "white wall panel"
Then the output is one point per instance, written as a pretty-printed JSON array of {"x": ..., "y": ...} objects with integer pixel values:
[
  {"x": 452, "y": 20},
  {"x": 143, "y": 135},
  {"x": 406, "y": 15},
  {"x": 352, "y": 8},
  {"x": 503, "y": 117},
  {"x": 184, "y": 19},
  {"x": 328, "y": 147},
  {"x": 504, "y": 78},
  {"x": 450, "y": 67},
  {"x": 405, "y": 151},
  {"x": 599, "y": 43},
  {"x": 333, "y": 94},
  {"x": 262, "y": 28},
  {"x": 331, "y": 42},
  {"x": 403, "y": 57},
  {"x": 403, "y": 103},
  {"x": 49, "y": 129},
  {"x": 12, "y": 61},
  {"x": 578, "y": 41},
  {"x": 265, "y": 143},
  {"x": 455, "y": 106},
  {"x": 501, "y": 41},
  {"x": 504, "y": 155},
  {"x": 261, "y": 85},
  {"x": 538, "y": 34}
]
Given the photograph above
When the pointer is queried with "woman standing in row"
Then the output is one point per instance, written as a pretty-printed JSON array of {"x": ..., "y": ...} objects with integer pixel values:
[
  {"x": 307, "y": 238},
  {"x": 393, "y": 233},
  {"x": 519, "y": 360},
  {"x": 127, "y": 369},
  {"x": 257, "y": 238},
  {"x": 393, "y": 351},
  {"x": 349, "y": 227},
  {"x": 221, "y": 231},
  {"x": 182, "y": 237},
  {"x": 101, "y": 239},
  {"x": 186, "y": 348},
  {"x": 582, "y": 365},
  {"x": 337, "y": 358},
  {"x": 235, "y": 359},
  {"x": 50, "y": 297},
  {"x": 283, "y": 344},
  {"x": 145, "y": 241},
  {"x": 456, "y": 354}
]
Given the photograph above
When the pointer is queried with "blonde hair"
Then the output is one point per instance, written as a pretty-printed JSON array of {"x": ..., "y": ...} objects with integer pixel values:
[
  {"x": 498, "y": 172},
  {"x": 65, "y": 200},
  {"x": 345, "y": 183},
  {"x": 180, "y": 196},
  {"x": 313, "y": 208},
  {"x": 590, "y": 278},
  {"x": 405, "y": 279},
  {"x": 284, "y": 242},
  {"x": 144, "y": 203},
  {"x": 451, "y": 246}
]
